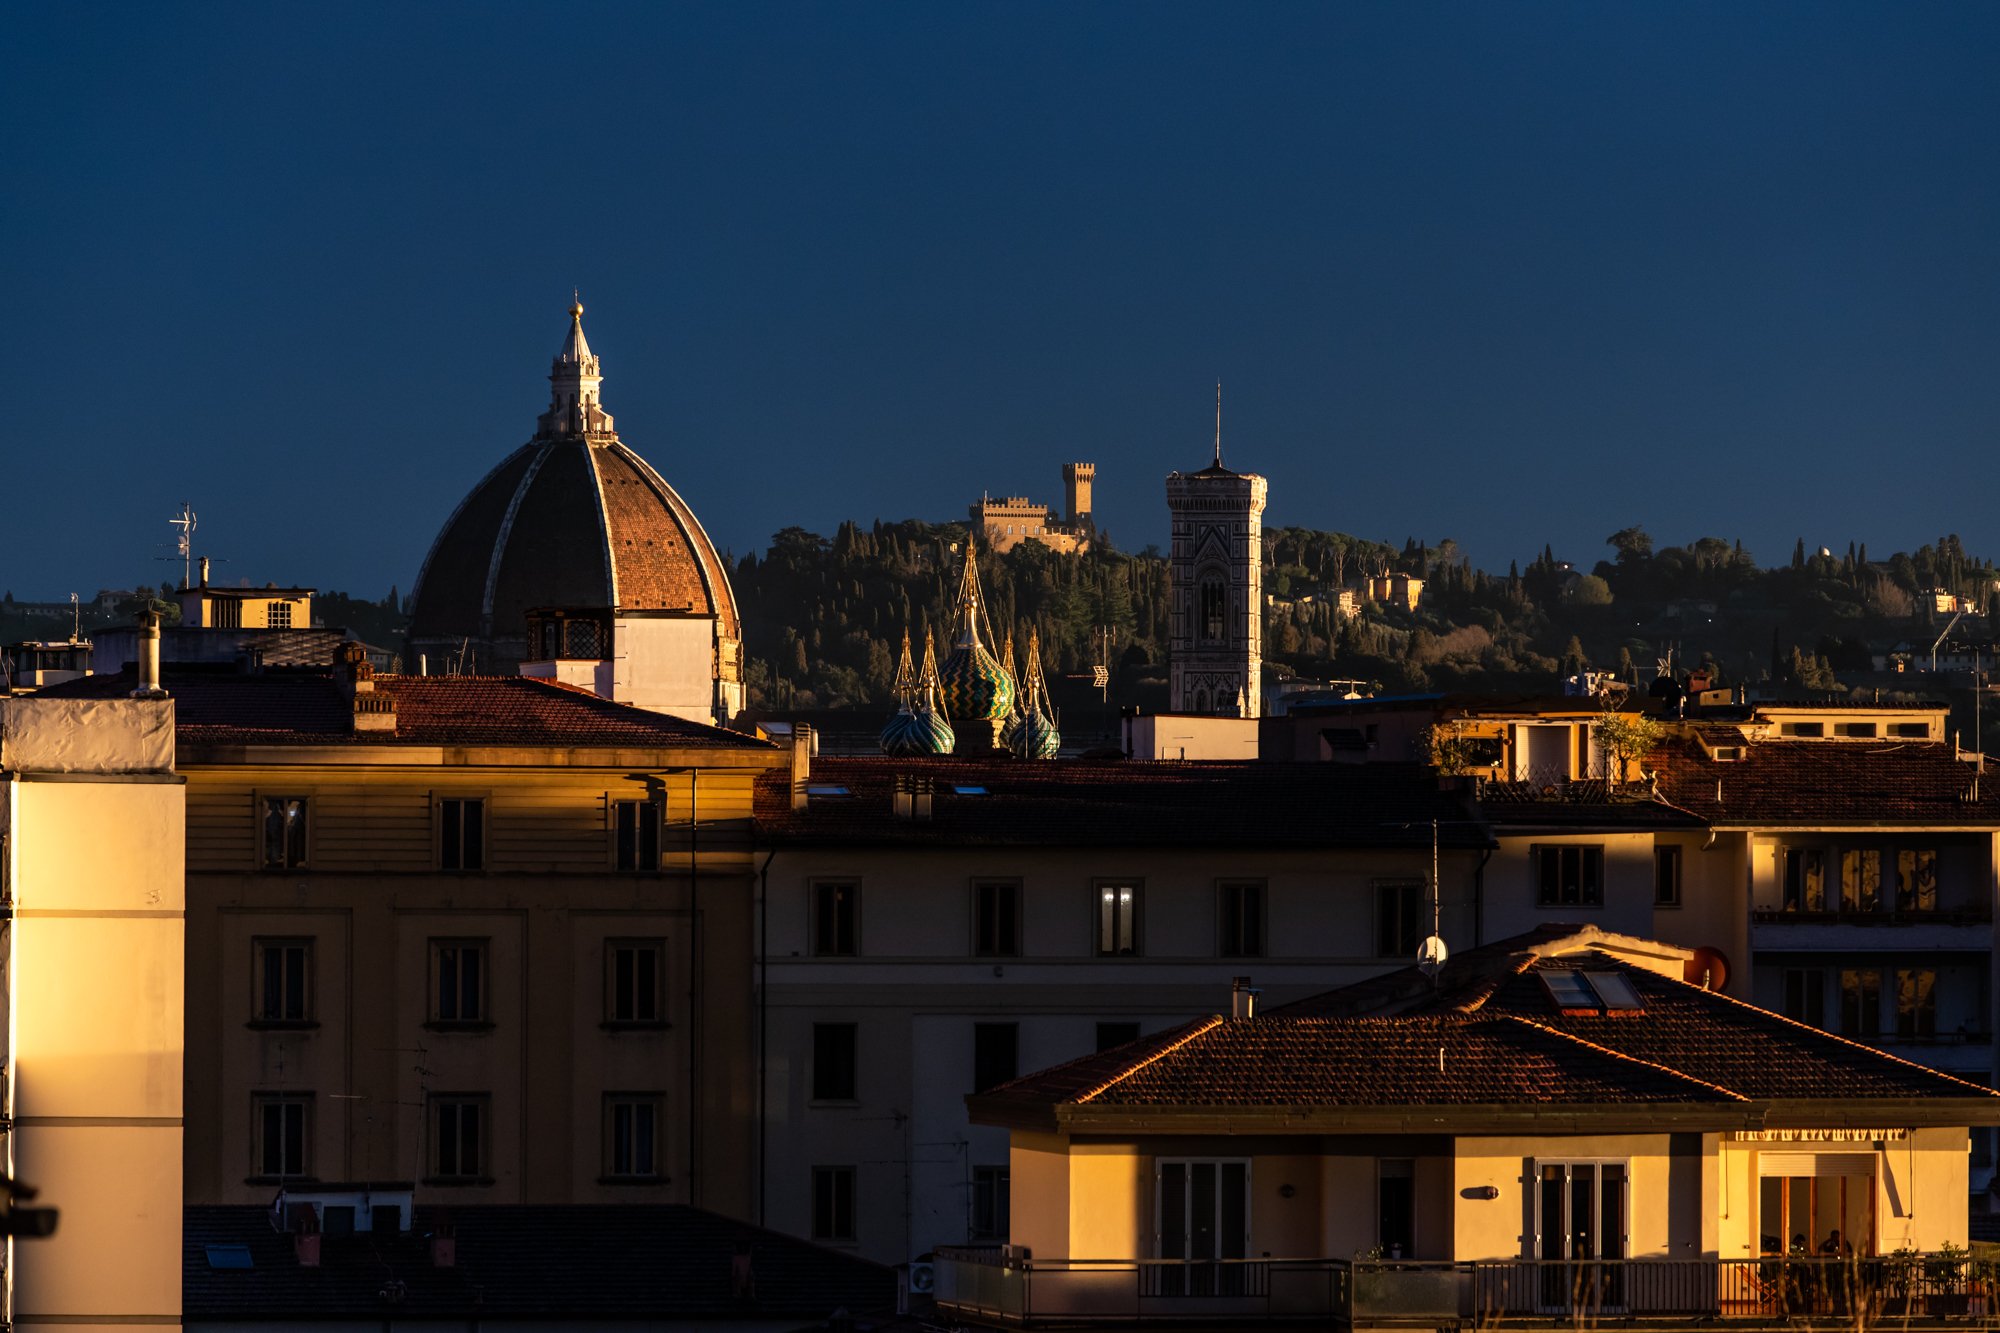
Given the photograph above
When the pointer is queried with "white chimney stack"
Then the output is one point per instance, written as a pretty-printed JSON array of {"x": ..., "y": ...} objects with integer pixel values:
[
  {"x": 149, "y": 656},
  {"x": 1242, "y": 999}
]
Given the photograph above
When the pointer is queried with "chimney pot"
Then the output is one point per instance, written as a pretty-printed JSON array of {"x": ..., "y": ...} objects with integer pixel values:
[
  {"x": 1242, "y": 998},
  {"x": 149, "y": 656},
  {"x": 802, "y": 748}
]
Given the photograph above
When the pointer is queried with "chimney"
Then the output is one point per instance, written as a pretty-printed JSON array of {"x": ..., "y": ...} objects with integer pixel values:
[
  {"x": 444, "y": 1251},
  {"x": 802, "y": 748},
  {"x": 204, "y": 571},
  {"x": 306, "y": 1245},
  {"x": 373, "y": 711},
  {"x": 1242, "y": 999},
  {"x": 911, "y": 799},
  {"x": 149, "y": 656}
]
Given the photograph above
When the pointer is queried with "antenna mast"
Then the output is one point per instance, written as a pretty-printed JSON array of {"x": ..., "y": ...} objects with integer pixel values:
[
  {"x": 1218, "y": 423},
  {"x": 185, "y": 522}
]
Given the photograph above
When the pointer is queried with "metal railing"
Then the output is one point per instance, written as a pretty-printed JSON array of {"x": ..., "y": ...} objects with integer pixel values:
[
  {"x": 1969, "y": 914},
  {"x": 986, "y": 1286}
]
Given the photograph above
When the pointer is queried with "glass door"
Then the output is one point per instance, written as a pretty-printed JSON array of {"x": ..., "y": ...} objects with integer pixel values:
[
  {"x": 1580, "y": 1212},
  {"x": 1204, "y": 1216}
]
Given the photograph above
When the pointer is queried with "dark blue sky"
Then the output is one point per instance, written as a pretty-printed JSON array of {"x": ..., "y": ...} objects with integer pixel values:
[{"x": 1506, "y": 273}]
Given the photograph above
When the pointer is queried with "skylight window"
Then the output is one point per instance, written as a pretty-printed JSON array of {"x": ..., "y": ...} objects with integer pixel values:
[
  {"x": 824, "y": 789},
  {"x": 1590, "y": 990},
  {"x": 229, "y": 1256},
  {"x": 1614, "y": 990},
  {"x": 969, "y": 791}
]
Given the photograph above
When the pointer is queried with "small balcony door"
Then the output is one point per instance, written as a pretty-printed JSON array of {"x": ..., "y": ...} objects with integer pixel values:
[
  {"x": 1580, "y": 1216},
  {"x": 1203, "y": 1211}
]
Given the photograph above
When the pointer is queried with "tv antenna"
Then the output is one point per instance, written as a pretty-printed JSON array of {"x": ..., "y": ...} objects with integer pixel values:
[
  {"x": 1432, "y": 953},
  {"x": 185, "y": 542}
]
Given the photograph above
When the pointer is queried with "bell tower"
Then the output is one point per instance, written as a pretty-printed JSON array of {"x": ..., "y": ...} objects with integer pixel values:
[{"x": 1215, "y": 636}]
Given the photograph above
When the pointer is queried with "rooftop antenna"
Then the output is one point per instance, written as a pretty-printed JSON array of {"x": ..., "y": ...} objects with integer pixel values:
[
  {"x": 75, "y": 618},
  {"x": 1218, "y": 423},
  {"x": 185, "y": 522},
  {"x": 1432, "y": 953}
]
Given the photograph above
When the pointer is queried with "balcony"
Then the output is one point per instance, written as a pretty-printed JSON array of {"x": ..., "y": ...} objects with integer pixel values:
[
  {"x": 984, "y": 1287},
  {"x": 1965, "y": 928}
]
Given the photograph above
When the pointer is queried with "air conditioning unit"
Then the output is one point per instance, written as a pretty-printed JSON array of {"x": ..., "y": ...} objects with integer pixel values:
[{"x": 923, "y": 1279}]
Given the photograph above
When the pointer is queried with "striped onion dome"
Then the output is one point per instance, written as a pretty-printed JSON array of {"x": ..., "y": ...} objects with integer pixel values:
[
  {"x": 976, "y": 686},
  {"x": 1031, "y": 733},
  {"x": 919, "y": 726}
]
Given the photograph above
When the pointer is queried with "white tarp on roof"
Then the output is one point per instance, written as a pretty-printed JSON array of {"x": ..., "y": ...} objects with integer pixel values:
[{"x": 86, "y": 735}]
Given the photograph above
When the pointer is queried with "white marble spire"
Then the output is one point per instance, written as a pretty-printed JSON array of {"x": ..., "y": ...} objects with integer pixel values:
[{"x": 576, "y": 377}]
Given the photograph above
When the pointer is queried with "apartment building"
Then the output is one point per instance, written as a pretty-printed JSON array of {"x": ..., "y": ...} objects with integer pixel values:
[
  {"x": 933, "y": 927},
  {"x": 484, "y": 935}
]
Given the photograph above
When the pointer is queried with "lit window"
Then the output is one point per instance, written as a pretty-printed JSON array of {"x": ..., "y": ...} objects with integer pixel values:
[
  {"x": 1860, "y": 880},
  {"x": 285, "y": 831},
  {"x": 1117, "y": 920},
  {"x": 278, "y": 615}
]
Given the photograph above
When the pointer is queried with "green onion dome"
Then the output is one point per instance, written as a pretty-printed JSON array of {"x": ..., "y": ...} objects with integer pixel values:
[
  {"x": 975, "y": 685},
  {"x": 921, "y": 732},
  {"x": 1032, "y": 736}
]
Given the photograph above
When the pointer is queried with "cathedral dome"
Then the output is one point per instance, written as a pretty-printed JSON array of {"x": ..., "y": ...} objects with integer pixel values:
[{"x": 572, "y": 520}]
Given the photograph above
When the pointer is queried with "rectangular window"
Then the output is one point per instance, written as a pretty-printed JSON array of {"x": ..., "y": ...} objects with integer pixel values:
[
  {"x": 1916, "y": 1003},
  {"x": 281, "y": 1135},
  {"x": 996, "y": 918},
  {"x": 278, "y": 615},
  {"x": 284, "y": 981},
  {"x": 1116, "y": 1034},
  {"x": 1858, "y": 730},
  {"x": 1914, "y": 730},
  {"x": 632, "y": 1135},
  {"x": 1860, "y": 880},
  {"x": 228, "y": 612},
  {"x": 1581, "y": 1213},
  {"x": 1569, "y": 876},
  {"x": 1805, "y": 996},
  {"x": 1667, "y": 876},
  {"x": 1241, "y": 932},
  {"x": 990, "y": 1211},
  {"x": 458, "y": 1137},
  {"x": 836, "y": 916},
  {"x": 1117, "y": 919},
  {"x": 1399, "y": 918},
  {"x": 834, "y": 1061},
  {"x": 1802, "y": 729},
  {"x": 833, "y": 1203},
  {"x": 285, "y": 831},
  {"x": 1861, "y": 1002},
  {"x": 458, "y": 973},
  {"x": 638, "y": 834},
  {"x": 996, "y": 1054},
  {"x": 1396, "y": 1200},
  {"x": 635, "y": 981},
  {"x": 1805, "y": 879},
  {"x": 461, "y": 833},
  {"x": 1202, "y": 1211},
  {"x": 1916, "y": 879}
]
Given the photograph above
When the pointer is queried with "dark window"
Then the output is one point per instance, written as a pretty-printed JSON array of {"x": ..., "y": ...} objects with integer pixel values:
[
  {"x": 833, "y": 1203},
  {"x": 1860, "y": 880},
  {"x": 1396, "y": 1199},
  {"x": 1241, "y": 933},
  {"x": 638, "y": 824},
  {"x": 285, "y": 831},
  {"x": 338, "y": 1219},
  {"x": 1803, "y": 729},
  {"x": 1214, "y": 609},
  {"x": 1117, "y": 920},
  {"x": 1858, "y": 730},
  {"x": 284, "y": 981},
  {"x": 1399, "y": 918},
  {"x": 1569, "y": 876},
  {"x": 836, "y": 907},
  {"x": 996, "y": 1054},
  {"x": 1805, "y": 879},
  {"x": 632, "y": 1135},
  {"x": 635, "y": 981},
  {"x": 1666, "y": 876},
  {"x": 459, "y": 969},
  {"x": 386, "y": 1217},
  {"x": 582, "y": 640},
  {"x": 281, "y": 1136},
  {"x": 990, "y": 1211},
  {"x": 462, "y": 833},
  {"x": 1805, "y": 996},
  {"x": 1916, "y": 1003},
  {"x": 1861, "y": 1002},
  {"x": 1913, "y": 730},
  {"x": 834, "y": 1060},
  {"x": 996, "y": 924},
  {"x": 1916, "y": 879},
  {"x": 1116, "y": 1034},
  {"x": 458, "y": 1137}
]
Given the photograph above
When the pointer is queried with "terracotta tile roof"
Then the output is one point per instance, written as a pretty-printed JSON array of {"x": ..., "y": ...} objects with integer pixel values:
[
  {"x": 1504, "y": 1043},
  {"x": 1122, "y": 803},
  {"x": 1591, "y": 804},
  {"x": 229, "y": 707},
  {"x": 1853, "y": 783},
  {"x": 575, "y": 1263}
]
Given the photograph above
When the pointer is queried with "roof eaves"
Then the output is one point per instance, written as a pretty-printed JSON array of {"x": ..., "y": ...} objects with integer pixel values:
[{"x": 1214, "y": 1021}]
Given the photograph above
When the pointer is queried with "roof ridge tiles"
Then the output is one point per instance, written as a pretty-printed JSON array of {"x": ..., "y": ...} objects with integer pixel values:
[
  {"x": 1201, "y": 1029},
  {"x": 1668, "y": 1070}
]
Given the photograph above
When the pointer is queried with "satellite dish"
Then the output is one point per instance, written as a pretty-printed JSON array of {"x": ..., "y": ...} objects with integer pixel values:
[{"x": 1431, "y": 955}]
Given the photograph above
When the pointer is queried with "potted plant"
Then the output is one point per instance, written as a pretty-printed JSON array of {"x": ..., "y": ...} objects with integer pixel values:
[
  {"x": 1899, "y": 1280},
  {"x": 1944, "y": 1281}
]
